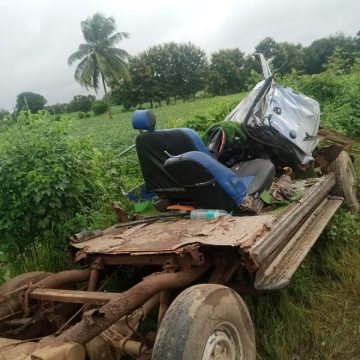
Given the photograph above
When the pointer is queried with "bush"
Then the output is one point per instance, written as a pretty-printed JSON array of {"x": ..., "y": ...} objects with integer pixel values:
[
  {"x": 81, "y": 103},
  {"x": 83, "y": 115},
  {"x": 100, "y": 107},
  {"x": 48, "y": 195},
  {"x": 203, "y": 120}
]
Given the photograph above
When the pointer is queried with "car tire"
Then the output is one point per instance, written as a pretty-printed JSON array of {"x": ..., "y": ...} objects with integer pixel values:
[
  {"x": 206, "y": 322},
  {"x": 345, "y": 174}
]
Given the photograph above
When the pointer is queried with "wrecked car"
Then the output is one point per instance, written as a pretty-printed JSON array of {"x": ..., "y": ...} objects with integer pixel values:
[{"x": 234, "y": 215}]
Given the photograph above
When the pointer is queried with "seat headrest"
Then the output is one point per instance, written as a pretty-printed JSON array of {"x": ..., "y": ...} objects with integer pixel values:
[{"x": 144, "y": 120}]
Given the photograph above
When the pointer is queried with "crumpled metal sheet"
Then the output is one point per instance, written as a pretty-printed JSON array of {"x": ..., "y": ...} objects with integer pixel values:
[
  {"x": 178, "y": 235},
  {"x": 281, "y": 110}
]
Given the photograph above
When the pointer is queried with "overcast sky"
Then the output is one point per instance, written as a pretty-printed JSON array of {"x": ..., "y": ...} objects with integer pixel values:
[{"x": 37, "y": 36}]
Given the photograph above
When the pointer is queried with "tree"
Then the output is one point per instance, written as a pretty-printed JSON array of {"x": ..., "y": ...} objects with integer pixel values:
[
  {"x": 81, "y": 103},
  {"x": 3, "y": 114},
  {"x": 226, "y": 72},
  {"x": 58, "y": 108},
  {"x": 98, "y": 58},
  {"x": 30, "y": 101},
  {"x": 337, "y": 63},
  {"x": 268, "y": 47},
  {"x": 161, "y": 72},
  {"x": 285, "y": 56},
  {"x": 319, "y": 51}
]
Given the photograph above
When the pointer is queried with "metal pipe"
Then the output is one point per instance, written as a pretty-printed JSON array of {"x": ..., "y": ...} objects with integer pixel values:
[
  {"x": 164, "y": 305},
  {"x": 72, "y": 296},
  {"x": 64, "y": 278},
  {"x": 150, "y": 304},
  {"x": 97, "y": 320}
]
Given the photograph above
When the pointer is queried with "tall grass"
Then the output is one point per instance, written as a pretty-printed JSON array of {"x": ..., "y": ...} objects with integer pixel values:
[{"x": 318, "y": 316}]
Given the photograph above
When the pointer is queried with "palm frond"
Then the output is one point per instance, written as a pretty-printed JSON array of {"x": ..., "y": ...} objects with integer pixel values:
[
  {"x": 97, "y": 28},
  {"x": 79, "y": 69},
  {"x": 79, "y": 54},
  {"x": 120, "y": 53},
  {"x": 114, "y": 39}
]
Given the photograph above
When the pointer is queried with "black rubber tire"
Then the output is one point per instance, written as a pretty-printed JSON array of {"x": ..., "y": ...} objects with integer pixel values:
[
  {"x": 197, "y": 315},
  {"x": 345, "y": 174},
  {"x": 23, "y": 279}
]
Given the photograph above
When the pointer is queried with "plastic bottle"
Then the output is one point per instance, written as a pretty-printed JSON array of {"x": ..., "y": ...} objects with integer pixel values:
[{"x": 207, "y": 214}]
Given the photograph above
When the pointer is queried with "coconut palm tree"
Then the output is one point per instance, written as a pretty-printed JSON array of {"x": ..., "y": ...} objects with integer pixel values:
[{"x": 98, "y": 58}]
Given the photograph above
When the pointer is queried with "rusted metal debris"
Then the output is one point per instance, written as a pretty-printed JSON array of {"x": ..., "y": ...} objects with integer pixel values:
[
  {"x": 282, "y": 227},
  {"x": 277, "y": 274},
  {"x": 282, "y": 188},
  {"x": 344, "y": 141},
  {"x": 121, "y": 215},
  {"x": 326, "y": 156},
  {"x": 72, "y": 296},
  {"x": 176, "y": 236},
  {"x": 49, "y": 348},
  {"x": 95, "y": 321}
]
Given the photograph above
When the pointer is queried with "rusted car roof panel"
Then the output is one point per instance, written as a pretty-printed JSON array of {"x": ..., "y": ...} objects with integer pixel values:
[
  {"x": 172, "y": 236},
  {"x": 258, "y": 236}
]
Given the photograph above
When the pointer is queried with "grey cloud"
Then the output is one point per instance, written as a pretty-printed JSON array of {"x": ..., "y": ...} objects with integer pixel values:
[{"x": 36, "y": 37}]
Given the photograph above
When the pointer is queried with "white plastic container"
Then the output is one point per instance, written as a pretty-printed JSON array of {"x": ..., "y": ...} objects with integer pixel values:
[{"x": 207, "y": 214}]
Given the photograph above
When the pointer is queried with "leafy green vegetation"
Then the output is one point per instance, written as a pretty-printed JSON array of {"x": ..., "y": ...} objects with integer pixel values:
[
  {"x": 30, "y": 101},
  {"x": 317, "y": 317},
  {"x": 99, "y": 107},
  {"x": 69, "y": 171},
  {"x": 99, "y": 59}
]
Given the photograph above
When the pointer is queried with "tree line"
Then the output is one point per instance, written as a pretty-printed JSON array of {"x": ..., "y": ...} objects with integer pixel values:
[
  {"x": 179, "y": 71},
  {"x": 172, "y": 71}
]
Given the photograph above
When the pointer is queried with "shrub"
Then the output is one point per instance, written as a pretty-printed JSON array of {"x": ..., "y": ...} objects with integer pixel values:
[
  {"x": 83, "y": 115},
  {"x": 81, "y": 103},
  {"x": 100, "y": 107},
  {"x": 49, "y": 181},
  {"x": 205, "y": 119}
]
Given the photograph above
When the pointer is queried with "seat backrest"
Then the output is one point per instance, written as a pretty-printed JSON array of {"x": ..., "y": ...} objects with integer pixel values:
[
  {"x": 211, "y": 184},
  {"x": 153, "y": 149}
]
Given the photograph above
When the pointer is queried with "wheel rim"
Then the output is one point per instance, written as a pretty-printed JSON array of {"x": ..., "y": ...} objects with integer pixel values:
[{"x": 223, "y": 344}]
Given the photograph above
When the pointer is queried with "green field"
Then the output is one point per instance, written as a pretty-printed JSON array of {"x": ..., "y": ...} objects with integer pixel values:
[
  {"x": 118, "y": 132},
  {"x": 318, "y": 315}
]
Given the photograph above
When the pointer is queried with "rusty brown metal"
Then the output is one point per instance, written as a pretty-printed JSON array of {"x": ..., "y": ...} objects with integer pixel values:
[
  {"x": 164, "y": 305},
  {"x": 95, "y": 321},
  {"x": 278, "y": 273},
  {"x": 150, "y": 304},
  {"x": 343, "y": 140},
  {"x": 137, "y": 260},
  {"x": 176, "y": 236},
  {"x": 72, "y": 296},
  {"x": 295, "y": 215},
  {"x": 64, "y": 278},
  {"x": 48, "y": 348},
  {"x": 326, "y": 156},
  {"x": 121, "y": 215}
]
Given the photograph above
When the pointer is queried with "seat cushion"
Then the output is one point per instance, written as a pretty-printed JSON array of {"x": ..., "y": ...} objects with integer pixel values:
[
  {"x": 262, "y": 172},
  {"x": 210, "y": 184}
]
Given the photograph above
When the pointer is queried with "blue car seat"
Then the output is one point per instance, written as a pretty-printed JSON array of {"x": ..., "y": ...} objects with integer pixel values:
[
  {"x": 176, "y": 164},
  {"x": 155, "y": 147}
]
